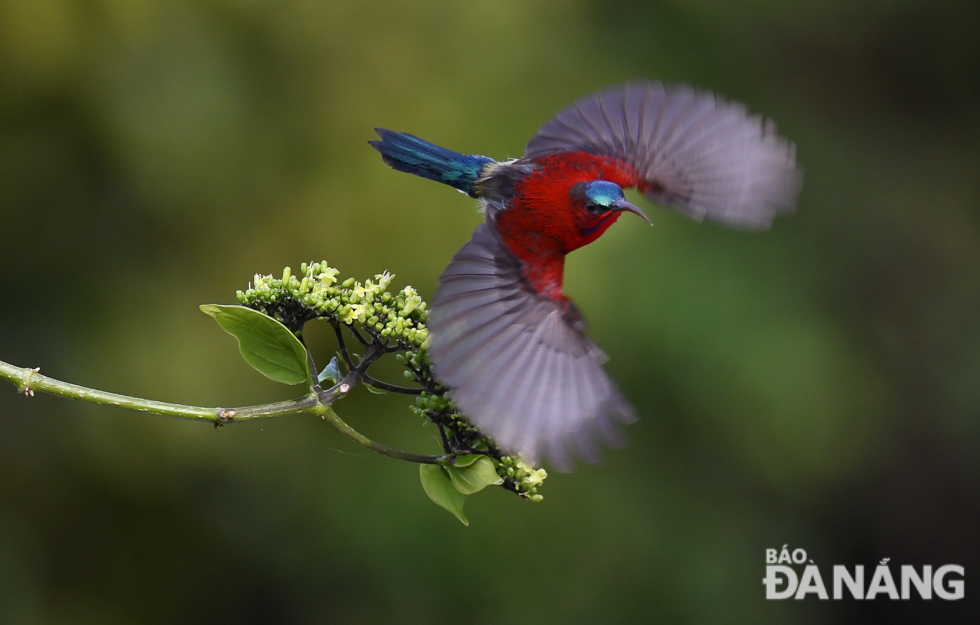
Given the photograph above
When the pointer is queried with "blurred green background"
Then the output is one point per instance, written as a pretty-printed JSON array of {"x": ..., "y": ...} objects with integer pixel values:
[{"x": 817, "y": 385}]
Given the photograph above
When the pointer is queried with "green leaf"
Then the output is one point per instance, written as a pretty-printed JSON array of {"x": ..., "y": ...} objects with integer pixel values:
[
  {"x": 331, "y": 372},
  {"x": 475, "y": 477},
  {"x": 467, "y": 460},
  {"x": 265, "y": 343},
  {"x": 376, "y": 391},
  {"x": 439, "y": 488}
]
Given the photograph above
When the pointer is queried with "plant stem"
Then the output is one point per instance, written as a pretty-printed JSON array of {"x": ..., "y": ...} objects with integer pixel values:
[
  {"x": 330, "y": 415},
  {"x": 394, "y": 388},
  {"x": 342, "y": 345},
  {"x": 29, "y": 381}
]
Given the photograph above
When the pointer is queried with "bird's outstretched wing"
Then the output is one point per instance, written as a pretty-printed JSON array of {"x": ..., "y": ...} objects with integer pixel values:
[
  {"x": 519, "y": 364},
  {"x": 694, "y": 151}
]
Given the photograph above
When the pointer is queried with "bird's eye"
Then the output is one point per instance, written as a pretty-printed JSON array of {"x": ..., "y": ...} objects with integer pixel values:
[{"x": 595, "y": 209}]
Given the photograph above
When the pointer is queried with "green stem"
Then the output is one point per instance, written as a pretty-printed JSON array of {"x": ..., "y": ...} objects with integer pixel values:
[
  {"x": 29, "y": 381},
  {"x": 330, "y": 415}
]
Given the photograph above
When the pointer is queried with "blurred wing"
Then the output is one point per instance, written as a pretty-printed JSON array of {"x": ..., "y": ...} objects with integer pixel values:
[
  {"x": 695, "y": 151},
  {"x": 519, "y": 364}
]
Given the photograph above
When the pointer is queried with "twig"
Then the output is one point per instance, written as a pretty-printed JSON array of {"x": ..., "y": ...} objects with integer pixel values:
[
  {"x": 342, "y": 345},
  {"x": 394, "y": 388},
  {"x": 314, "y": 373},
  {"x": 319, "y": 402},
  {"x": 360, "y": 338},
  {"x": 442, "y": 435}
]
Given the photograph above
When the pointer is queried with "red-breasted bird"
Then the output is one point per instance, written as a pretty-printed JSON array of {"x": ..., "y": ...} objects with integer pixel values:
[{"x": 505, "y": 339}]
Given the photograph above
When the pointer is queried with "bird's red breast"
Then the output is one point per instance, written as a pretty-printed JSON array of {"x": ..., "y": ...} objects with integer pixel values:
[{"x": 541, "y": 225}]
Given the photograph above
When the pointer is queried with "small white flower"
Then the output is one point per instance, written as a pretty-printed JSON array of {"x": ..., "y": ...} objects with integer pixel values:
[
  {"x": 358, "y": 292},
  {"x": 534, "y": 476},
  {"x": 412, "y": 300},
  {"x": 371, "y": 288},
  {"x": 327, "y": 276},
  {"x": 383, "y": 279},
  {"x": 537, "y": 477},
  {"x": 358, "y": 312}
]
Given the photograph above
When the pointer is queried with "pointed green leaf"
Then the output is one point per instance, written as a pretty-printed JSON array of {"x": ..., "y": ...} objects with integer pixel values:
[
  {"x": 467, "y": 460},
  {"x": 376, "y": 391},
  {"x": 440, "y": 490},
  {"x": 265, "y": 343},
  {"x": 475, "y": 477}
]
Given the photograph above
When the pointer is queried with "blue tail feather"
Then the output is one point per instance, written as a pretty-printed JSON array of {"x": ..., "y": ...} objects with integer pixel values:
[{"x": 413, "y": 155}]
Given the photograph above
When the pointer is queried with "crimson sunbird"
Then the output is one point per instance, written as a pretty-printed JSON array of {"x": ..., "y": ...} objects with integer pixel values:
[{"x": 505, "y": 339}]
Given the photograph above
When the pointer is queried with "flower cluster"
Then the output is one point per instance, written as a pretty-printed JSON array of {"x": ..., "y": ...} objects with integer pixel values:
[
  {"x": 459, "y": 436},
  {"x": 317, "y": 294},
  {"x": 395, "y": 318},
  {"x": 457, "y": 433},
  {"x": 521, "y": 478}
]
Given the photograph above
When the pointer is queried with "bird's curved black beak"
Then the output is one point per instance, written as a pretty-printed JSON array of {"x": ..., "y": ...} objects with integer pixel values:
[{"x": 623, "y": 205}]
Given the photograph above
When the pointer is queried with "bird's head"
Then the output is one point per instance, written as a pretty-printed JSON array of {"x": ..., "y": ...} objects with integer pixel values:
[{"x": 596, "y": 205}]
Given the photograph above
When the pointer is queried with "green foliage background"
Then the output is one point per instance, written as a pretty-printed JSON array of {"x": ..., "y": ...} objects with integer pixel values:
[{"x": 817, "y": 385}]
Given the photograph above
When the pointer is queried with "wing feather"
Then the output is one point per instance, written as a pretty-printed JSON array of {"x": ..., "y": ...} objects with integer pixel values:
[
  {"x": 516, "y": 362},
  {"x": 704, "y": 156}
]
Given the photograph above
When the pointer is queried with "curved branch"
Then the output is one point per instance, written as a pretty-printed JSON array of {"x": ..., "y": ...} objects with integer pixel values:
[
  {"x": 394, "y": 388},
  {"x": 330, "y": 415},
  {"x": 363, "y": 341},
  {"x": 29, "y": 381},
  {"x": 342, "y": 345}
]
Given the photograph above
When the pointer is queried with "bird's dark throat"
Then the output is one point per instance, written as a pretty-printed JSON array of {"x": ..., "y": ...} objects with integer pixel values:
[{"x": 590, "y": 231}]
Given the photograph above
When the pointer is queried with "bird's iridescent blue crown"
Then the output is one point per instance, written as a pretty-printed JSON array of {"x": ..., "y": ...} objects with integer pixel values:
[{"x": 603, "y": 192}]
